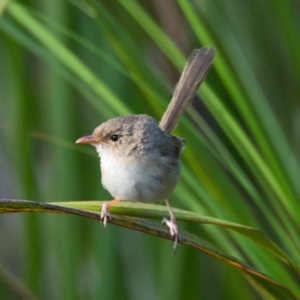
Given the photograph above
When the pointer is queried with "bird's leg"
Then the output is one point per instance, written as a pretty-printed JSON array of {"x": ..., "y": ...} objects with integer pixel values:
[
  {"x": 172, "y": 224},
  {"x": 105, "y": 210}
]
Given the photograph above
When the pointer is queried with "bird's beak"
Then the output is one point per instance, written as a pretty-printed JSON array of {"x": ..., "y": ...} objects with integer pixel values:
[{"x": 89, "y": 139}]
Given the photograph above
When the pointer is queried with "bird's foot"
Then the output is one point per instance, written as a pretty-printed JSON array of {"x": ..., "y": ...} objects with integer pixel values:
[
  {"x": 172, "y": 224},
  {"x": 105, "y": 214}
]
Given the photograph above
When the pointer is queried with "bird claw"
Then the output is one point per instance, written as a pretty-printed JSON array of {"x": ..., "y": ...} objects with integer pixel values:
[
  {"x": 105, "y": 214},
  {"x": 173, "y": 228}
]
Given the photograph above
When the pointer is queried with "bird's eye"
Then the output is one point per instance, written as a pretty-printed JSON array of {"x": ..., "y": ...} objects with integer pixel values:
[{"x": 114, "y": 137}]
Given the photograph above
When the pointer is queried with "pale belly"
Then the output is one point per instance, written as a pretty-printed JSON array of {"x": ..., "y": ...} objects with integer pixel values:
[{"x": 131, "y": 180}]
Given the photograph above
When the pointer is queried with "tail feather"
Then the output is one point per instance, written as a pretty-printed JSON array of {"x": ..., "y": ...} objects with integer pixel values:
[{"x": 192, "y": 76}]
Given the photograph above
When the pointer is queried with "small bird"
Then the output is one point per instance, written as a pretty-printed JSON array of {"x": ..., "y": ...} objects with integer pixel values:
[{"x": 139, "y": 158}]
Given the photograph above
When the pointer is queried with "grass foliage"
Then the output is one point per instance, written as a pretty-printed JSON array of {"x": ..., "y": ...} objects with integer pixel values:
[{"x": 67, "y": 66}]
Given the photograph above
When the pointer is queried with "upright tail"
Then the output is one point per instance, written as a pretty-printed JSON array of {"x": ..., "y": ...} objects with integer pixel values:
[{"x": 192, "y": 76}]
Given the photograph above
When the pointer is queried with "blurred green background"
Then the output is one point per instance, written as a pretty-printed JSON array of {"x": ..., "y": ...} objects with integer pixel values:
[{"x": 67, "y": 66}]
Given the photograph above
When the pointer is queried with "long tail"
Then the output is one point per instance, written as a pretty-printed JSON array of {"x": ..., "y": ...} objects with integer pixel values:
[{"x": 192, "y": 76}]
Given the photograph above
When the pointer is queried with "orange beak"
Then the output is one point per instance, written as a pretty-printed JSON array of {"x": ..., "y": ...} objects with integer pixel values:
[{"x": 89, "y": 139}]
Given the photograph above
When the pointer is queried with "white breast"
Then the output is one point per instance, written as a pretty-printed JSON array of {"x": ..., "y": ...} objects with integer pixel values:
[
  {"x": 121, "y": 177},
  {"x": 132, "y": 179}
]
